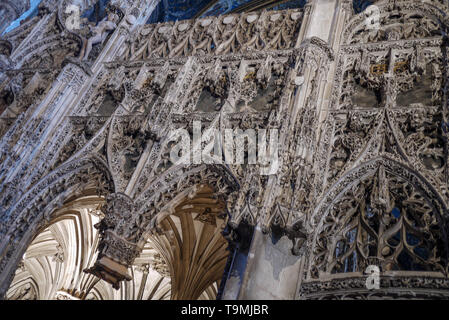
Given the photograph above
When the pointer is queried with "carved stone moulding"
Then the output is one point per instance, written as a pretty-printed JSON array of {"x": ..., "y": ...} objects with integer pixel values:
[
  {"x": 225, "y": 34},
  {"x": 63, "y": 295},
  {"x": 403, "y": 286},
  {"x": 207, "y": 59},
  {"x": 398, "y": 20}
]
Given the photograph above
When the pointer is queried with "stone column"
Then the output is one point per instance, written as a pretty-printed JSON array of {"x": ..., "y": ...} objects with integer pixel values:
[
  {"x": 273, "y": 269},
  {"x": 272, "y": 272}
]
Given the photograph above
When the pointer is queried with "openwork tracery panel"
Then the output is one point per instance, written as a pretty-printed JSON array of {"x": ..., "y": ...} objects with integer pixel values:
[
  {"x": 382, "y": 220},
  {"x": 389, "y": 104}
]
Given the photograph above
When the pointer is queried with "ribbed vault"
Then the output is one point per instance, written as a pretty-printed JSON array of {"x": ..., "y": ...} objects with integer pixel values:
[
  {"x": 54, "y": 263},
  {"x": 185, "y": 261},
  {"x": 193, "y": 246}
]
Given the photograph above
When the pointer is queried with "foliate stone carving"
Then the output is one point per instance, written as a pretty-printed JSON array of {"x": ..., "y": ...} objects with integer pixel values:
[
  {"x": 371, "y": 162},
  {"x": 382, "y": 217},
  {"x": 248, "y": 87},
  {"x": 118, "y": 247},
  {"x": 269, "y": 30},
  {"x": 391, "y": 287},
  {"x": 62, "y": 295},
  {"x": 402, "y": 20},
  {"x": 381, "y": 161},
  {"x": 179, "y": 180},
  {"x": 158, "y": 263},
  {"x": 119, "y": 211}
]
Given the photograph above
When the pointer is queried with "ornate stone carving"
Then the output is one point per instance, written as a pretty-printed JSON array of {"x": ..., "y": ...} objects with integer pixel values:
[
  {"x": 362, "y": 139},
  {"x": 391, "y": 287},
  {"x": 382, "y": 167},
  {"x": 223, "y": 35}
]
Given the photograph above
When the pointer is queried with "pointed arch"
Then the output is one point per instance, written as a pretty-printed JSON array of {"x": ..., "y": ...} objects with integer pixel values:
[
  {"x": 175, "y": 183},
  {"x": 374, "y": 22},
  {"x": 36, "y": 208},
  {"x": 394, "y": 206},
  {"x": 188, "y": 209},
  {"x": 353, "y": 176}
]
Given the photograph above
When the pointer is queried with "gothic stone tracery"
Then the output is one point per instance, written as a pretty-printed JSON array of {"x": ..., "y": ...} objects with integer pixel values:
[{"x": 85, "y": 123}]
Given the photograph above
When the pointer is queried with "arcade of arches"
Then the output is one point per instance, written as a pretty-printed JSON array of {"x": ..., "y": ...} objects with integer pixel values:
[
  {"x": 55, "y": 263},
  {"x": 93, "y": 206}
]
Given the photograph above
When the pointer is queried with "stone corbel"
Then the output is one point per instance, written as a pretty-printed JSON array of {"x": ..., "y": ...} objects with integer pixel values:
[{"x": 117, "y": 251}]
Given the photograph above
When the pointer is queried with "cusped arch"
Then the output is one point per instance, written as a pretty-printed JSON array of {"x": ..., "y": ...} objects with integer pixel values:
[
  {"x": 354, "y": 178},
  {"x": 375, "y": 16},
  {"x": 189, "y": 203},
  {"x": 37, "y": 207},
  {"x": 180, "y": 181}
]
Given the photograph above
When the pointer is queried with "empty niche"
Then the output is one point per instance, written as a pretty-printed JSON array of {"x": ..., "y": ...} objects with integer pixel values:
[
  {"x": 364, "y": 97},
  {"x": 421, "y": 92},
  {"x": 267, "y": 96},
  {"x": 261, "y": 94},
  {"x": 109, "y": 104},
  {"x": 213, "y": 95},
  {"x": 146, "y": 106}
]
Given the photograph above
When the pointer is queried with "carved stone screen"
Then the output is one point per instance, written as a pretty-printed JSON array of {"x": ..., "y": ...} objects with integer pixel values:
[{"x": 201, "y": 150}]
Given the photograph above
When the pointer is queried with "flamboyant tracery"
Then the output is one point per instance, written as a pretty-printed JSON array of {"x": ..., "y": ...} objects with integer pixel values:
[
  {"x": 93, "y": 206},
  {"x": 388, "y": 104},
  {"x": 383, "y": 220}
]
